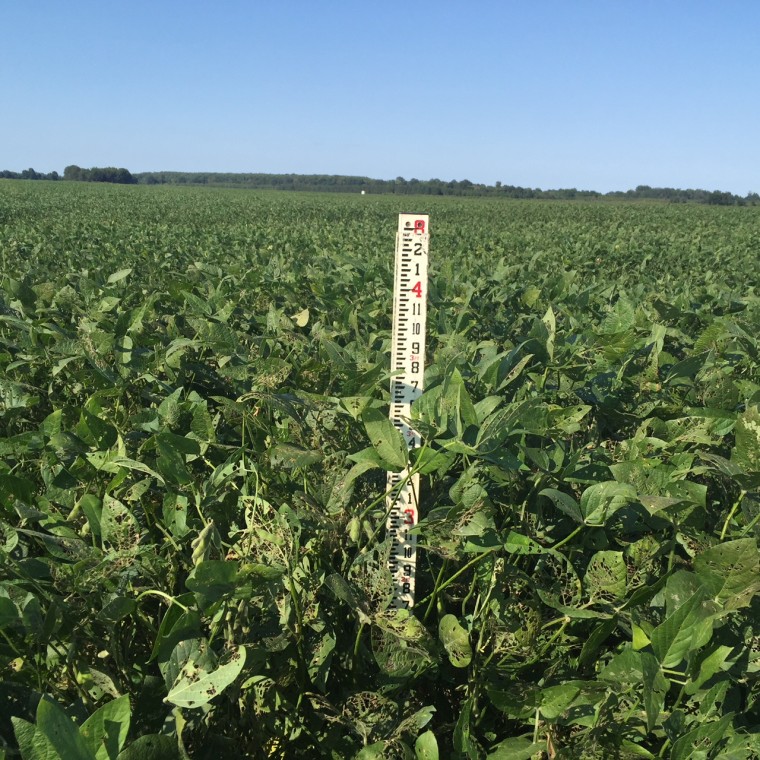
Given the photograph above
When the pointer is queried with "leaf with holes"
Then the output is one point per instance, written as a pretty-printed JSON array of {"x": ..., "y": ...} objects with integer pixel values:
[
  {"x": 731, "y": 572},
  {"x": 196, "y": 687},
  {"x": 455, "y": 641},
  {"x": 605, "y": 578}
]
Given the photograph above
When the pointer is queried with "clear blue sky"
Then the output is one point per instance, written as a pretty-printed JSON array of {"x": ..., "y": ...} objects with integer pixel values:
[{"x": 590, "y": 94}]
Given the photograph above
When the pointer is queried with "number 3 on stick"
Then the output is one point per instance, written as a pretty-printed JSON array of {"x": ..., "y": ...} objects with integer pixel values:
[{"x": 407, "y": 367}]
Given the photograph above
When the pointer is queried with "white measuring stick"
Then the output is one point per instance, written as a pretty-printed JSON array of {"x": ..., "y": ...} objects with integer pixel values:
[{"x": 410, "y": 287}]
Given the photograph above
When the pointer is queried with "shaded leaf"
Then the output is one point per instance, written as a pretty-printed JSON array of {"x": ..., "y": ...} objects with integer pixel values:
[
  {"x": 105, "y": 731},
  {"x": 62, "y": 732},
  {"x": 152, "y": 747}
]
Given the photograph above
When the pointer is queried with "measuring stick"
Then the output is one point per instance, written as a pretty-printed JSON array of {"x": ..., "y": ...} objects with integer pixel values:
[{"x": 407, "y": 366}]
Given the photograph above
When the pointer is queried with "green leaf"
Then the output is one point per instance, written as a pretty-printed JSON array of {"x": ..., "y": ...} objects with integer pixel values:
[
  {"x": 502, "y": 424},
  {"x": 342, "y": 590},
  {"x": 457, "y": 405},
  {"x": 152, "y": 747},
  {"x": 8, "y": 612},
  {"x": 292, "y": 457},
  {"x": 644, "y": 594},
  {"x": 95, "y": 431},
  {"x": 32, "y": 743},
  {"x": 109, "y": 461},
  {"x": 550, "y": 322},
  {"x": 319, "y": 665},
  {"x": 556, "y": 699},
  {"x": 355, "y": 405},
  {"x": 211, "y": 580},
  {"x": 564, "y": 502},
  {"x": 704, "y": 735},
  {"x": 366, "y": 459},
  {"x": 418, "y": 720},
  {"x": 118, "y": 276},
  {"x": 580, "y": 613},
  {"x": 176, "y": 625},
  {"x": 175, "y": 513},
  {"x": 429, "y": 461},
  {"x": 106, "y": 304},
  {"x": 601, "y": 500},
  {"x": 195, "y": 687},
  {"x": 13, "y": 487},
  {"x": 385, "y": 439},
  {"x": 594, "y": 642},
  {"x": 402, "y": 646},
  {"x": 515, "y": 748},
  {"x": 62, "y": 732},
  {"x": 639, "y": 638},
  {"x": 686, "y": 368},
  {"x": 463, "y": 740},
  {"x": 92, "y": 508},
  {"x": 302, "y": 318},
  {"x": 105, "y": 731},
  {"x": 617, "y": 346},
  {"x": 567, "y": 420},
  {"x": 201, "y": 425},
  {"x": 711, "y": 703},
  {"x": 486, "y": 407},
  {"x": 118, "y": 525},
  {"x": 632, "y": 750},
  {"x": 606, "y": 576},
  {"x": 180, "y": 443},
  {"x": 684, "y": 631},
  {"x": 455, "y": 641},
  {"x": 22, "y": 292},
  {"x": 189, "y": 650},
  {"x": 655, "y": 688},
  {"x": 15, "y": 396},
  {"x": 624, "y": 668},
  {"x": 195, "y": 650},
  {"x": 731, "y": 572},
  {"x": 172, "y": 450},
  {"x": 679, "y": 587},
  {"x": 621, "y": 317},
  {"x": 516, "y": 543},
  {"x": 713, "y": 663},
  {"x": 375, "y": 751},
  {"x": 118, "y": 608},
  {"x": 746, "y": 451},
  {"x": 477, "y": 508},
  {"x": 426, "y": 746},
  {"x": 517, "y": 701}
]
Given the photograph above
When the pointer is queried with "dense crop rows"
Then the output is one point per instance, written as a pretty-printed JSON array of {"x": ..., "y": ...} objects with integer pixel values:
[{"x": 191, "y": 537}]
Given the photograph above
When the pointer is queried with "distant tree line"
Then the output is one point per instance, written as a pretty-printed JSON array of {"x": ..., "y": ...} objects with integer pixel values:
[
  {"x": 714, "y": 197},
  {"x": 335, "y": 183},
  {"x": 28, "y": 174},
  {"x": 342, "y": 184},
  {"x": 119, "y": 176},
  {"x": 400, "y": 186},
  {"x": 76, "y": 173}
]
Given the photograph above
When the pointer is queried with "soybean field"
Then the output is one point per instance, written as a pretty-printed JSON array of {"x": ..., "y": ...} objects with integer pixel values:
[{"x": 193, "y": 560}]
